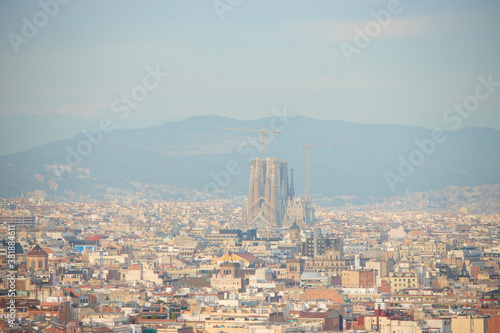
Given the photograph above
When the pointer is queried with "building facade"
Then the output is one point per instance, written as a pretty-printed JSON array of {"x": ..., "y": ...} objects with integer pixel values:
[{"x": 271, "y": 197}]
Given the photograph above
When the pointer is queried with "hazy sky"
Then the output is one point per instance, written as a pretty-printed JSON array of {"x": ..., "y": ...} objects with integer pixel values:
[{"x": 247, "y": 57}]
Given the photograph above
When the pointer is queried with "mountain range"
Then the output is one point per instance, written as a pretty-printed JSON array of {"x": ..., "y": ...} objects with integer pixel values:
[
  {"x": 363, "y": 161},
  {"x": 19, "y": 132}
]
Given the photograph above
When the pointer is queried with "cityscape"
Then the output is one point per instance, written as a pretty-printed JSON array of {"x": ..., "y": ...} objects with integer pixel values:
[{"x": 249, "y": 167}]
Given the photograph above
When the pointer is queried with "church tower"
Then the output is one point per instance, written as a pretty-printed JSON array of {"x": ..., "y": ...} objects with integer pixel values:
[
  {"x": 267, "y": 191},
  {"x": 295, "y": 234},
  {"x": 37, "y": 259}
]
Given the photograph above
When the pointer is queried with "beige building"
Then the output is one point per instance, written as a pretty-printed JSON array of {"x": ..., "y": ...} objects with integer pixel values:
[
  {"x": 72, "y": 277},
  {"x": 121, "y": 296},
  {"x": 401, "y": 281},
  {"x": 383, "y": 268},
  {"x": 223, "y": 282},
  {"x": 331, "y": 261},
  {"x": 134, "y": 273},
  {"x": 294, "y": 269},
  {"x": 371, "y": 322},
  {"x": 149, "y": 274},
  {"x": 241, "y": 320},
  {"x": 95, "y": 258},
  {"x": 401, "y": 326},
  {"x": 219, "y": 239},
  {"x": 358, "y": 279},
  {"x": 469, "y": 324}
]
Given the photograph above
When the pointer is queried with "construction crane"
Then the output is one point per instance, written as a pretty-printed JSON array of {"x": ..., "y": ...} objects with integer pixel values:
[
  {"x": 259, "y": 131},
  {"x": 308, "y": 198}
]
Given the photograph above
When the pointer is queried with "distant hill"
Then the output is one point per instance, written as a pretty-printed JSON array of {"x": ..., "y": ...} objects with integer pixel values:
[
  {"x": 194, "y": 154},
  {"x": 19, "y": 132}
]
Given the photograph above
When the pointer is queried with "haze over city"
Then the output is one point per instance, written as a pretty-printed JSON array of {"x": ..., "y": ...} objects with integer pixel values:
[{"x": 237, "y": 166}]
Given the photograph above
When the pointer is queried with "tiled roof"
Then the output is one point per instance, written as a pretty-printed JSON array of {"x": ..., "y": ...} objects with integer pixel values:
[{"x": 37, "y": 251}]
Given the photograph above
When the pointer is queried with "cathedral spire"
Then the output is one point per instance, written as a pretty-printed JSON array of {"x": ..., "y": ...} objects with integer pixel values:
[{"x": 292, "y": 190}]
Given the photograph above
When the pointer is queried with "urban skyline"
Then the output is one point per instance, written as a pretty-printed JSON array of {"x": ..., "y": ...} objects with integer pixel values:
[{"x": 236, "y": 166}]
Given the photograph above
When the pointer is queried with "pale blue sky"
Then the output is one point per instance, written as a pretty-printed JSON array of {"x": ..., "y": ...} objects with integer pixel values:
[{"x": 264, "y": 54}]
